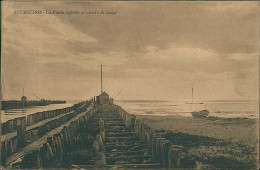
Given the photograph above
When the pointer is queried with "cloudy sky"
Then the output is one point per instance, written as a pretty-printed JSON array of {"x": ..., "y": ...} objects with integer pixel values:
[{"x": 151, "y": 50}]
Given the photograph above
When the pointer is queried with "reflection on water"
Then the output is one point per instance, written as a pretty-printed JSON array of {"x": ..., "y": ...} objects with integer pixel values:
[
  {"x": 14, "y": 113},
  {"x": 229, "y": 109}
]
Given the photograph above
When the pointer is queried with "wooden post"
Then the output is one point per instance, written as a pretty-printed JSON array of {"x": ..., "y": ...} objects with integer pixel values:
[
  {"x": 21, "y": 136},
  {"x": 9, "y": 147},
  {"x": 101, "y": 80},
  {"x": 187, "y": 162},
  {"x": 165, "y": 146},
  {"x": 174, "y": 155}
]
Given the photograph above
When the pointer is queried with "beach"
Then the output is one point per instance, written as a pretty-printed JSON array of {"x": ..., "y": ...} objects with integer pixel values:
[
  {"x": 227, "y": 138},
  {"x": 238, "y": 138},
  {"x": 232, "y": 129}
]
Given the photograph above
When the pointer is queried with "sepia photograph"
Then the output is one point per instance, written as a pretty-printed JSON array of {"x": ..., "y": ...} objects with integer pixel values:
[{"x": 129, "y": 85}]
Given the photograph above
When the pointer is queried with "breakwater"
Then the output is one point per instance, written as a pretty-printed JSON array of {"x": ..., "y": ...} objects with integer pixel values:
[
  {"x": 104, "y": 136},
  {"x": 13, "y": 104}
]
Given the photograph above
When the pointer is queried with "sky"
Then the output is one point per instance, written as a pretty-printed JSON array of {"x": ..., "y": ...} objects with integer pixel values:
[{"x": 151, "y": 50}]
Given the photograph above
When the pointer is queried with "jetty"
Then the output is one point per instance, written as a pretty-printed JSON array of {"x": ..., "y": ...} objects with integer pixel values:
[
  {"x": 15, "y": 104},
  {"x": 91, "y": 134},
  {"x": 23, "y": 103}
]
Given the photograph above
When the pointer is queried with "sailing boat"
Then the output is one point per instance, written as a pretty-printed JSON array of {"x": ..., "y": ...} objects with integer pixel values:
[
  {"x": 193, "y": 102},
  {"x": 200, "y": 114}
]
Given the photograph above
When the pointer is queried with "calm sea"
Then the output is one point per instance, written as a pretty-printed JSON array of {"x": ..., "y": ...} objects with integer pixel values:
[
  {"x": 13, "y": 113},
  {"x": 229, "y": 109}
]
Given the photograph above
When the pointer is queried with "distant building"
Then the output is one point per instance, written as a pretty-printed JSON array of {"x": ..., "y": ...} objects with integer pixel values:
[
  {"x": 103, "y": 98},
  {"x": 23, "y": 99}
]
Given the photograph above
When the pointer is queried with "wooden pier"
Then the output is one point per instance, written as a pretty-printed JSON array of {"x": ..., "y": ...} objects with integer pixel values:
[
  {"x": 97, "y": 134},
  {"x": 14, "y": 104}
]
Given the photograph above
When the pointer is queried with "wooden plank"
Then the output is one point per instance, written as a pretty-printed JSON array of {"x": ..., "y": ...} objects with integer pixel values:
[
  {"x": 137, "y": 166},
  {"x": 118, "y": 134},
  {"x": 126, "y": 142},
  {"x": 128, "y": 153},
  {"x": 131, "y": 166},
  {"x": 121, "y": 139},
  {"x": 121, "y": 152},
  {"x": 119, "y": 158},
  {"x": 38, "y": 144},
  {"x": 120, "y": 146}
]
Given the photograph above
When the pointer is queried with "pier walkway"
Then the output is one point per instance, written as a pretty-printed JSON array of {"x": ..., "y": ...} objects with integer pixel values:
[{"x": 123, "y": 147}]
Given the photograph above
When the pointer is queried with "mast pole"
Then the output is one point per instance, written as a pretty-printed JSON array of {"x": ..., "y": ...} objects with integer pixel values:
[
  {"x": 23, "y": 91},
  {"x": 101, "y": 80},
  {"x": 192, "y": 94}
]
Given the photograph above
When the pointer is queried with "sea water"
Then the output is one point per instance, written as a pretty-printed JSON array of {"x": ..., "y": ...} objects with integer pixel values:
[
  {"x": 227, "y": 108},
  {"x": 14, "y": 113}
]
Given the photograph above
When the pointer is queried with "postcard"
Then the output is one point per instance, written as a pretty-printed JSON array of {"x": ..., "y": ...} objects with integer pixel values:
[{"x": 130, "y": 84}]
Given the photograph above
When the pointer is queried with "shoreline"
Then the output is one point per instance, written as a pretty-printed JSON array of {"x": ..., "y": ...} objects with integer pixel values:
[
  {"x": 230, "y": 129},
  {"x": 221, "y": 142}
]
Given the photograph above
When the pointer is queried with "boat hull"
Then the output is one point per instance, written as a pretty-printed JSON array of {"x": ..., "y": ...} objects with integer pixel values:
[
  {"x": 193, "y": 102},
  {"x": 200, "y": 114}
]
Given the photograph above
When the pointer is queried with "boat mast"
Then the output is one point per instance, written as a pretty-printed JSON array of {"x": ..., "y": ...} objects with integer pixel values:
[
  {"x": 192, "y": 94},
  {"x": 101, "y": 80}
]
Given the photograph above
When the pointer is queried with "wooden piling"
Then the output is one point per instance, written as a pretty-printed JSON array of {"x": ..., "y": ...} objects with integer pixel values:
[
  {"x": 174, "y": 155},
  {"x": 21, "y": 142},
  {"x": 187, "y": 162}
]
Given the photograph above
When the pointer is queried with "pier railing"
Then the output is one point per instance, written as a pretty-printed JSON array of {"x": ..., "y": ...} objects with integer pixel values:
[{"x": 11, "y": 125}]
